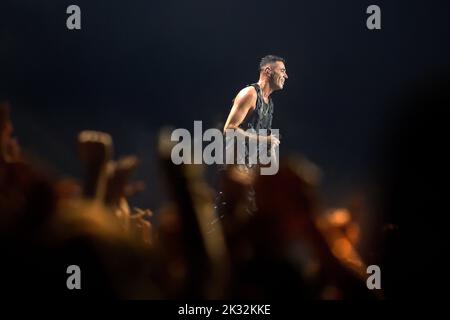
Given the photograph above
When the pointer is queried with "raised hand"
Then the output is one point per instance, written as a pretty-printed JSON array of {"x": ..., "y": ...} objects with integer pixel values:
[
  {"x": 119, "y": 174},
  {"x": 95, "y": 150}
]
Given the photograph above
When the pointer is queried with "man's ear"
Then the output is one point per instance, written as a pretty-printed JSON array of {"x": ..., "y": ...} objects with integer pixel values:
[{"x": 268, "y": 71}]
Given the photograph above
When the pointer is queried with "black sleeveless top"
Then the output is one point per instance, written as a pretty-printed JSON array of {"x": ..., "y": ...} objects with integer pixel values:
[{"x": 261, "y": 117}]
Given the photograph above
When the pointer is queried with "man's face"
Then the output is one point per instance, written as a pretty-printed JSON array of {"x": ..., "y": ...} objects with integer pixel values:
[{"x": 278, "y": 75}]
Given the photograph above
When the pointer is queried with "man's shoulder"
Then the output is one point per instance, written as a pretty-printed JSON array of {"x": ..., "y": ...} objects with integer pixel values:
[{"x": 248, "y": 92}]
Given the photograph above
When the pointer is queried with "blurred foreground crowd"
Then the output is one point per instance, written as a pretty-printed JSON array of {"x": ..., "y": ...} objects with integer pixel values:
[{"x": 288, "y": 248}]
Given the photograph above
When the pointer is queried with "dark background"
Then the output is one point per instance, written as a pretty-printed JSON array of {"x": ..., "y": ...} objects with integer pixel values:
[{"x": 136, "y": 66}]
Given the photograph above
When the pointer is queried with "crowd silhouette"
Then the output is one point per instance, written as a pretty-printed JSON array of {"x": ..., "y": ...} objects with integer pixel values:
[{"x": 291, "y": 247}]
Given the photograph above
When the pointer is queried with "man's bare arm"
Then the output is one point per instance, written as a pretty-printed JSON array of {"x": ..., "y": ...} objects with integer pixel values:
[{"x": 243, "y": 103}]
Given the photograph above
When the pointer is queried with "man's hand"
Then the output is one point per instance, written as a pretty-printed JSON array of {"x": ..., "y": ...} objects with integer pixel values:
[{"x": 274, "y": 141}]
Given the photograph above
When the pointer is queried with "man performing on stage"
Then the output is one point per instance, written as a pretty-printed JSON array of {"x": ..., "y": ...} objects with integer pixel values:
[
  {"x": 253, "y": 106},
  {"x": 253, "y": 109}
]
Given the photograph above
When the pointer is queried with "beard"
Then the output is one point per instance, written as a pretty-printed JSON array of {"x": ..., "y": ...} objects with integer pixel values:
[{"x": 277, "y": 83}]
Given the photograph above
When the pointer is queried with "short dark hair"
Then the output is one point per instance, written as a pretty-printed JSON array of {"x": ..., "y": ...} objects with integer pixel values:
[{"x": 269, "y": 59}]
